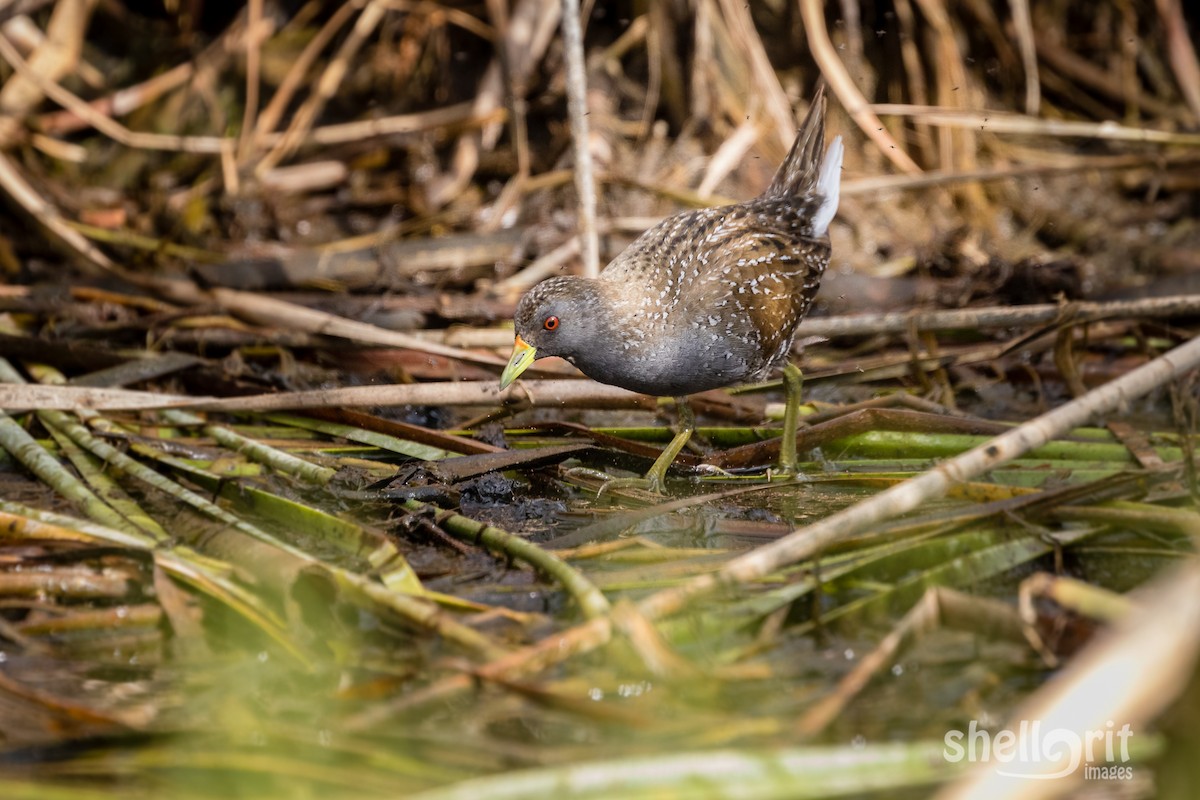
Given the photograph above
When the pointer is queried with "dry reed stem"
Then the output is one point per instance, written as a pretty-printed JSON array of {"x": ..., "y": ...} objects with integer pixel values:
[
  {"x": 326, "y": 87},
  {"x": 1181, "y": 53},
  {"x": 541, "y": 268},
  {"x": 19, "y": 190},
  {"x": 27, "y": 36},
  {"x": 564, "y": 394},
  {"x": 340, "y": 133},
  {"x": 56, "y": 56},
  {"x": 956, "y": 87},
  {"x": 120, "y": 102},
  {"x": 1023, "y": 24},
  {"x": 290, "y": 316},
  {"x": 297, "y": 74},
  {"x": 642, "y": 27},
  {"x": 1008, "y": 122},
  {"x": 530, "y": 29},
  {"x": 585, "y": 182},
  {"x": 847, "y": 93},
  {"x": 910, "y": 55},
  {"x": 1001, "y": 316},
  {"x": 258, "y": 29},
  {"x": 764, "y": 85},
  {"x": 518, "y": 111},
  {"x": 1064, "y": 165},
  {"x": 729, "y": 156},
  {"x": 131, "y": 98},
  {"x": 102, "y": 123},
  {"x": 1076, "y": 68}
]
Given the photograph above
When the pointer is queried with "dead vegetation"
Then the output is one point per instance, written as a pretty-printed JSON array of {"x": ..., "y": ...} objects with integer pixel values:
[{"x": 233, "y": 226}]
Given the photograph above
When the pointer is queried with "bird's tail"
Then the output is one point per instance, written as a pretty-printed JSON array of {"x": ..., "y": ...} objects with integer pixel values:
[{"x": 804, "y": 174}]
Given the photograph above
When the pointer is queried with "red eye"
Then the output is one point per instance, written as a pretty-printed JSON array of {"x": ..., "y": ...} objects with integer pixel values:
[{"x": 551, "y": 323}]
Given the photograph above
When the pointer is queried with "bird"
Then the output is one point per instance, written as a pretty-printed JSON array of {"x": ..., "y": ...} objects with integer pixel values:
[{"x": 705, "y": 299}]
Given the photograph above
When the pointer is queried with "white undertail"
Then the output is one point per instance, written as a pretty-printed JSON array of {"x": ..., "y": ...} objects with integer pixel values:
[{"x": 829, "y": 186}]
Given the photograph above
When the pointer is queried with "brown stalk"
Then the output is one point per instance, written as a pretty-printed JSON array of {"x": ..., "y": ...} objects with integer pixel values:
[
  {"x": 1181, "y": 52},
  {"x": 577, "y": 107},
  {"x": 1023, "y": 24},
  {"x": 269, "y": 119},
  {"x": 911, "y": 56},
  {"x": 531, "y": 27},
  {"x": 326, "y": 86},
  {"x": 129, "y": 99},
  {"x": 762, "y": 78},
  {"x": 848, "y": 94},
  {"x": 955, "y": 87},
  {"x": 1077, "y": 68},
  {"x": 56, "y": 56},
  {"x": 257, "y": 30}
]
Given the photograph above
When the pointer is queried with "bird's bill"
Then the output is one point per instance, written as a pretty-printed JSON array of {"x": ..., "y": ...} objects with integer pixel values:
[{"x": 523, "y": 355}]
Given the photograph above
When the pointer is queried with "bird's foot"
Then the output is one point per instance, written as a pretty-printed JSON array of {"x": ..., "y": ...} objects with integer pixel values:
[
  {"x": 587, "y": 473},
  {"x": 651, "y": 483},
  {"x": 786, "y": 473},
  {"x": 656, "y": 479},
  {"x": 712, "y": 471}
]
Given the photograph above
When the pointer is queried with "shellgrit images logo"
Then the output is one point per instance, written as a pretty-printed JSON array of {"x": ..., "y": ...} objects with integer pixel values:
[{"x": 1030, "y": 749}]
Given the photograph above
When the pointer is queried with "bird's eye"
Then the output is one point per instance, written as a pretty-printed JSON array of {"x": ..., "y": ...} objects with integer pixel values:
[{"x": 551, "y": 323}]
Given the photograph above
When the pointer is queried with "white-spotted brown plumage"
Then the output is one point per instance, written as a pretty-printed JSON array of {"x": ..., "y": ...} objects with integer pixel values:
[{"x": 705, "y": 298}]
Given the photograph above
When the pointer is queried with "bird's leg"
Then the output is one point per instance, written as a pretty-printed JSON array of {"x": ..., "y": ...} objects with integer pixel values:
[
  {"x": 656, "y": 479},
  {"x": 657, "y": 476},
  {"x": 793, "y": 381},
  {"x": 695, "y": 443}
]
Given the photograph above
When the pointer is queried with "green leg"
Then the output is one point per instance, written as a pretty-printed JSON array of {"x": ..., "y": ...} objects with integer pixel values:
[
  {"x": 656, "y": 479},
  {"x": 793, "y": 380}
]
